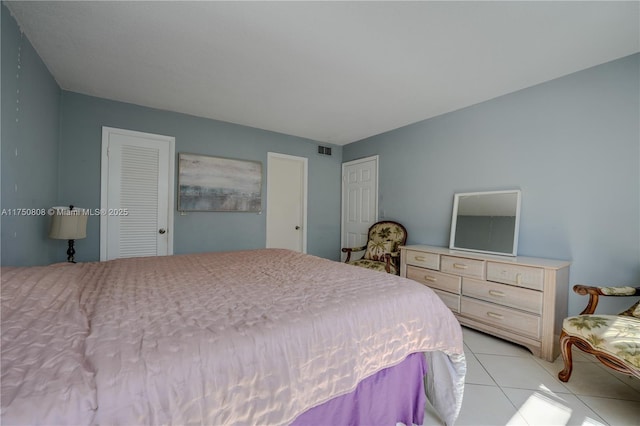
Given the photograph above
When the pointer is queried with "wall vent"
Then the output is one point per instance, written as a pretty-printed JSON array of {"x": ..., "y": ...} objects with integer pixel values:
[{"x": 326, "y": 150}]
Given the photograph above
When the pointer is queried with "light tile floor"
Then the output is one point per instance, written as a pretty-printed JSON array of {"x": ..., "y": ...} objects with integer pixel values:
[{"x": 507, "y": 385}]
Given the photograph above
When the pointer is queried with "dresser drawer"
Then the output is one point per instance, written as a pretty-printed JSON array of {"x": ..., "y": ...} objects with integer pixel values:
[
  {"x": 435, "y": 279},
  {"x": 461, "y": 266},
  {"x": 452, "y": 301},
  {"x": 507, "y": 295},
  {"x": 499, "y": 316},
  {"x": 522, "y": 276},
  {"x": 425, "y": 260}
]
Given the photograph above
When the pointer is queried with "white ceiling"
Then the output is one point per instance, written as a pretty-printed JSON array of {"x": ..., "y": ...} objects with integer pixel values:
[{"x": 334, "y": 72}]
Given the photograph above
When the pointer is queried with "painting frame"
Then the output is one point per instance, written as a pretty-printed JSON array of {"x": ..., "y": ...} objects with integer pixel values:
[{"x": 218, "y": 184}]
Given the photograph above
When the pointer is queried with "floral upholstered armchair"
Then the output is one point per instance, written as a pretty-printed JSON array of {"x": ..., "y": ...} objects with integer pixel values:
[
  {"x": 381, "y": 251},
  {"x": 613, "y": 339}
]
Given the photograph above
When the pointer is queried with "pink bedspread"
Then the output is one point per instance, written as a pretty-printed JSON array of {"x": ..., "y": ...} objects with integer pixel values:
[{"x": 251, "y": 337}]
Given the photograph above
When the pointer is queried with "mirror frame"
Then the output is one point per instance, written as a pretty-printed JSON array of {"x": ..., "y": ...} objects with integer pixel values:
[{"x": 454, "y": 220}]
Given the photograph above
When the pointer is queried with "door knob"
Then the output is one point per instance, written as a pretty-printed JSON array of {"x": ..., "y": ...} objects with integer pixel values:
[
  {"x": 297, "y": 227},
  {"x": 162, "y": 231}
]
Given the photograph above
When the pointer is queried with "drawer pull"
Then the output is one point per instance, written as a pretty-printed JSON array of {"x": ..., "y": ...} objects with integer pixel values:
[
  {"x": 460, "y": 266},
  {"x": 494, "y": 315},
  {"x": 430, "y": 278},
  {"x": 419, "y": 258},
  {"x": 496, "y": 293},
  {"x": 518, "y": 278}
]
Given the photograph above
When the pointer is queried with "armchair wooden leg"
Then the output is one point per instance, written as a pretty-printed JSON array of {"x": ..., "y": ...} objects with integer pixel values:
[{"x": 565, "y": 347}]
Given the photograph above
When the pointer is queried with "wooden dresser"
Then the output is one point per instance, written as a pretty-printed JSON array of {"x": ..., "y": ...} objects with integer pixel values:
[{"x": 520, "y": 299}]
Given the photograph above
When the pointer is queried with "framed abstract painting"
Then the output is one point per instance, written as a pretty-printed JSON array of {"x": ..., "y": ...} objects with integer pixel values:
[{"x": 219, "y": 184}]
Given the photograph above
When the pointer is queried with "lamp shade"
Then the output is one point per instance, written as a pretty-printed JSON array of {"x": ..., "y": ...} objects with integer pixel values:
[{"x": 68, "y": 224}]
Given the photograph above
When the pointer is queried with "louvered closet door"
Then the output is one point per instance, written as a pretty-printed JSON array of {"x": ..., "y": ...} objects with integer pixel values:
[{"x": 139, "y": 194}]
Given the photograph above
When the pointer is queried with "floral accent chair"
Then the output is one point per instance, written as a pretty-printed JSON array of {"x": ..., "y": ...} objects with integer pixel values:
[
  {"x": 381, "y": 252},
  {"x": 613, "y": 339}
]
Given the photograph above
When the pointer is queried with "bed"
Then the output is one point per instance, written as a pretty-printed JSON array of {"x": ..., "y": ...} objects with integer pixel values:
[{"x": 264, "y": 336}]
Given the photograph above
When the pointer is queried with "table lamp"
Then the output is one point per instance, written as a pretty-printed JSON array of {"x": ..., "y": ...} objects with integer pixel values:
[{"x": 70, "y": 224}]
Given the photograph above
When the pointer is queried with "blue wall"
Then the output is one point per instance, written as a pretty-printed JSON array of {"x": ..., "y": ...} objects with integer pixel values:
[
  {"x": 572, "y": 145},
  {"x": 80, "y": 156},
  {"x": 29, "y": 149},
  {"x": 59, "y": 134}
]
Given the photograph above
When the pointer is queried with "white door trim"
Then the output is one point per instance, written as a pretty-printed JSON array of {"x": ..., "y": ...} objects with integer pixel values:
[
  {"x": 305, "y": 191},
  {"x": 104, "y": 180},
  {"x": 375, "y": 158}
]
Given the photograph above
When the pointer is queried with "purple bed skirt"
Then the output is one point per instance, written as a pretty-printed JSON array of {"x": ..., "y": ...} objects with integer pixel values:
[{"x": 395, "y": 394}]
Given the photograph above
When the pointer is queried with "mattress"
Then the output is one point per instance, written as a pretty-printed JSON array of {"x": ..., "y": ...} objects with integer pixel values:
[{"x": 248, "y": 337}]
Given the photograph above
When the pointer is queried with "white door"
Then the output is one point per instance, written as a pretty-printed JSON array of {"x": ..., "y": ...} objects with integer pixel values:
[
  {"x": 359, "y": 200},
  {"x": 137, "y": 184},
  {"x": 286, "y": 202}
]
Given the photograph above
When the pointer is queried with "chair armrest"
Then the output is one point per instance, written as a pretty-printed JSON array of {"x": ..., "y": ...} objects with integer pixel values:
[
  {"x": 349, "y": 250},
  {"x": 620, "y": 291},
  {"x": 393, "y": 257},
  {"x": 595, "y": 292}
]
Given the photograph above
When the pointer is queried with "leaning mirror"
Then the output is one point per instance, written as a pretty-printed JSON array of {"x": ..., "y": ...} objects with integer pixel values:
[{"x": 486, "y": 222}]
